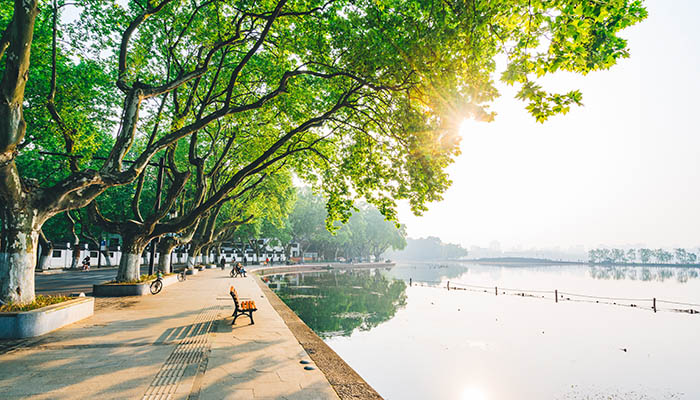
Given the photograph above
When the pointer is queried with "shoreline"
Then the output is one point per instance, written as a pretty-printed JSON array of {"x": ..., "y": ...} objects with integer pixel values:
[
  {"x": 544, "y": 261},
  {"x": 346, "y": 382}
]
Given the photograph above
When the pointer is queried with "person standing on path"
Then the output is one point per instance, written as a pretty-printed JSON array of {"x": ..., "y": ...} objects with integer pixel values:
[{"x": 222, "y": 263}]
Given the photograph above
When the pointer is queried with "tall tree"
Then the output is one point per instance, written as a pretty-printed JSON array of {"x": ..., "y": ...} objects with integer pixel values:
[{"x": 362, "y": 99}]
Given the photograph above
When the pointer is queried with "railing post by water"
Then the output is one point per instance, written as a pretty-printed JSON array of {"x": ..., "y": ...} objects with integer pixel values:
[
  {"x": 410, "y": 281},
  {"x": 496, "y": 289},
  {"x": 448, "y": 286},
  {"x": 654, "y": 305},
  {"x": 556, "y": 296}
]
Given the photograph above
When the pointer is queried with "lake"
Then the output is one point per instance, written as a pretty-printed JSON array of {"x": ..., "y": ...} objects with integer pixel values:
[{"x": 425, "y": 342}]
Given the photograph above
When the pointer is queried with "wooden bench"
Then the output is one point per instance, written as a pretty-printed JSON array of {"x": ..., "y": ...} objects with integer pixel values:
[{"x": 245, "y": 307}]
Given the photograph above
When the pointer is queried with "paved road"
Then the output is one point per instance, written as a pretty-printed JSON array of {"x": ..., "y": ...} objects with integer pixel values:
[{"x": 74, "y": 281}]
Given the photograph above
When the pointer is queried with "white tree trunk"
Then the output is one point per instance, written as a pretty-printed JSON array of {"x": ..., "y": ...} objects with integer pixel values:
[
  {"x": 17, "y": 262},
  {"x": 129, "y": 267},
  {"x": 164, "y": 262},
  {"x": 190, "y": 262}
]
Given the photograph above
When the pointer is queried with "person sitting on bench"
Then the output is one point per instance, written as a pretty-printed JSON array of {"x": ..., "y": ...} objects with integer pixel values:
[{"x": 239, "y": 270}]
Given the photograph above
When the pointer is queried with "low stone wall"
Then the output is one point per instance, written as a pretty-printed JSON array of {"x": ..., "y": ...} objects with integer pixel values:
[
  {"x": 119, "y": 290},
  {"x": 129, "y": 289},
  {"x": 23, "y": 324}
]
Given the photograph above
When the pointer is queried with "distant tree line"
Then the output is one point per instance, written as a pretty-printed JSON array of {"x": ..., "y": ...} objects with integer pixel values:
[
  {"x": 367, "y": 233},
  {"x": 430, "y": 248},
  {"x": 644, "y": 256}
]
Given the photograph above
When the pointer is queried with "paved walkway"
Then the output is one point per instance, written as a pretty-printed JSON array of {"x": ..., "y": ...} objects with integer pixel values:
[{"x": 178, "y": 344}]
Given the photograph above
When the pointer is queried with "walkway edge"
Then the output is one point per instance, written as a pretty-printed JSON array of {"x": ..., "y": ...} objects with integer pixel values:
[{"x": 346, "y": 382}]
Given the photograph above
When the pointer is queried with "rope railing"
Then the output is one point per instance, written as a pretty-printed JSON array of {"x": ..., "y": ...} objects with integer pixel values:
[
  {"x": 604, "y": 297},
  {"x": 565, "y": 296}
]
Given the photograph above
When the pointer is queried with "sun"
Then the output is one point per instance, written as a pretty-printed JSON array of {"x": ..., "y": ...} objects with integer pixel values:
[
  {"x": 469, "y": 126},
  {"x": 473, "y": 393}
]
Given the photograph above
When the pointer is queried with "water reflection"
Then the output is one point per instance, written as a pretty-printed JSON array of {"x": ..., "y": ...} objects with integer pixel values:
[
  {"x": 336, "y": 303},
  {"x": 646, "y": 274},
  {"x": 428, "y": 272}
]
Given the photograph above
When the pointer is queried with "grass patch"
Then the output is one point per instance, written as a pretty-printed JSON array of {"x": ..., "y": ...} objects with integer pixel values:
[{"x": 39, "y": 301}]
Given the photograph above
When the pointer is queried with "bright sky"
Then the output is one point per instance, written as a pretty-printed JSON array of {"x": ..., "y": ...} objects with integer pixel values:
[{"x": 622, "y": 170}]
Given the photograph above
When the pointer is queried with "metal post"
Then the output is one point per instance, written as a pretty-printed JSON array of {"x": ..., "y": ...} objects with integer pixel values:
[
  {"x": 159, "y": 190},
  {"x": 410, "y": 281},
  {"x": 654, "y": 306},
  {"x": 556, "y": 296},
  {"x": 448, "y": 286},
  {"x": 496, "y": 290}
]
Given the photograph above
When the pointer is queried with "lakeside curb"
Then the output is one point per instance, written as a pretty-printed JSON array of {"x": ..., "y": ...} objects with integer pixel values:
[{"x": 346, "y": 382}]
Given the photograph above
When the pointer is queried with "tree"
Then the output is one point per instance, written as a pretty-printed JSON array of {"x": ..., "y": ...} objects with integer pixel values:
[
  {"x": 430, "y": 248},
  {"x": 682, "y": 256},
  {"x": 631, "y": 255},
  {"x": 645, "y": 255},
  {"x": 362, "y": 99},
  {"x": 662, "y": 256},
  {"x": 307, "y": 219},
  {"x": 593, "y": 256},
  {"x": 617, "y": 256}
]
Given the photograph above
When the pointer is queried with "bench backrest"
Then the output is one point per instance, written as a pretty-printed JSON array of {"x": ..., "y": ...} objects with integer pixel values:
[
  {"x": 234, "y": 295},
  {"x": 246, "y": 305}
]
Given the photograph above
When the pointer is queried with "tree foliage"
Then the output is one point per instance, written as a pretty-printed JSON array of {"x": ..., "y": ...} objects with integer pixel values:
[{"x": 362, "y": 99}]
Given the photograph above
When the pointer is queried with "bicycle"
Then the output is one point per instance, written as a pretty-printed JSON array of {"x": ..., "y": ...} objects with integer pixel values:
[
  {"x": 182, "y": 276},
  {"x": 157, "y": 285}
]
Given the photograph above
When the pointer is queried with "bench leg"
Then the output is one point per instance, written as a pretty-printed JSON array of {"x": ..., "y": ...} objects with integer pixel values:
[
  {"x": 235, "y": 316},
  {"x": 250, "y": 313}
]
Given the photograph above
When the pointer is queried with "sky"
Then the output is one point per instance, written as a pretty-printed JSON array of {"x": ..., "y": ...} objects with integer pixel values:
[{"x": 623, "y": 170}]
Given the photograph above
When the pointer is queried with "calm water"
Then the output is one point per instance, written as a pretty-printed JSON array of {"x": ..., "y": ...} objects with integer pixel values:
[{"x": 424, "y": 342}]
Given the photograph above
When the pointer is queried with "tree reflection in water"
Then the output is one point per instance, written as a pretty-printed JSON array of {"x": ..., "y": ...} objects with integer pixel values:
[
  {"x": 681, "y": 274},
  {"x": 337, "y": 303}
]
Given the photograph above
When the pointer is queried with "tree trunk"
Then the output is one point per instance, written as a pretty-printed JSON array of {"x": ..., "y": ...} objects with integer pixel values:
[
  {"x": 20, "y": 236},
  {"x": 75, "y": 254},
  {"x": 130, "y": 263},
  {"x": 105, "y": 256},
  {"x": 46, "y": 252},
  {"x": 194, "y": 253},
  {"x": 165, "y": 249},
  {"x": 218, "y": 252},
  {"x": 205, "y": 255}
]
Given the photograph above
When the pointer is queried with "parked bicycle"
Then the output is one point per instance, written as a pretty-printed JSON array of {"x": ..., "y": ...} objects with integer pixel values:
[{"x": 157, "y": 285}]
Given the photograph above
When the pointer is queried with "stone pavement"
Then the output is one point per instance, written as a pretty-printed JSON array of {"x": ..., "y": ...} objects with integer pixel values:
[{"x": 178, "y": 344}]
